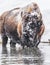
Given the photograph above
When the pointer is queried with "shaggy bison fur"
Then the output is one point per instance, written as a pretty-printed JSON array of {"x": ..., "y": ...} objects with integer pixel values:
[{"x": 22, "y": 25}]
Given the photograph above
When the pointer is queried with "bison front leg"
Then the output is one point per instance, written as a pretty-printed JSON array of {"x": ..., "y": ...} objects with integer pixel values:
[
  {"x": 39, "y": 35},
  {"x": 12, "y": 44},
  {"x": 4, "y": 40}
]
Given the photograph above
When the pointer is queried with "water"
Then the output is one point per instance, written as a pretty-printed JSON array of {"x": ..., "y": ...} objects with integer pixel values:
[{"x": 26, "y": 56}]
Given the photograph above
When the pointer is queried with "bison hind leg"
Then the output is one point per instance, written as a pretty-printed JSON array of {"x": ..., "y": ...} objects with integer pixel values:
[{"x": 4, "y": 40}]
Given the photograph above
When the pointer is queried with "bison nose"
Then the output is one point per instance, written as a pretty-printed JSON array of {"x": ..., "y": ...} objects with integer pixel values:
[{"x": 35, "y": 16}]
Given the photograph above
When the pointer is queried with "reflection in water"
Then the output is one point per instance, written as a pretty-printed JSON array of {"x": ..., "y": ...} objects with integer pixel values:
[
  {"x": 21, "y": 56},
  {"x": 4, "y": 57}
]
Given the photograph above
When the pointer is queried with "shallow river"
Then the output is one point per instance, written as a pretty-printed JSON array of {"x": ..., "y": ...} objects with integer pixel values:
[{"x": 28, "y": 56}]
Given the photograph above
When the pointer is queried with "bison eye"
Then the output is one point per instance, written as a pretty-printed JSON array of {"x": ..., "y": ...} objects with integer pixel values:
[{"x": 26, "y": 19}]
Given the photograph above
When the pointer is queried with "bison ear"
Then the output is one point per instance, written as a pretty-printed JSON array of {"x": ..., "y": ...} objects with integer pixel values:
[
  {"x": 21, "y": 14},
  {"x": 24, "y": 15}
]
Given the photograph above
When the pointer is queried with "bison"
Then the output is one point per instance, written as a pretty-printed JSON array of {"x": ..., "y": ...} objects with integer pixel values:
[{"x": 22, "y": 25}]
